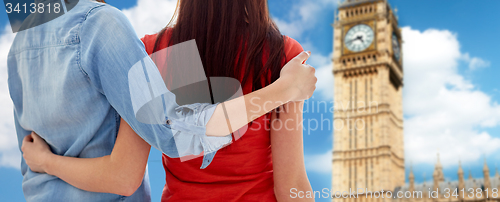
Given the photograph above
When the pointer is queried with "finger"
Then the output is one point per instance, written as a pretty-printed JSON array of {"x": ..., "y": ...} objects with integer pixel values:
[
  {"x": 311, "y": 68},
  {"x": 35, "y": 136},
  {"x": 26, "y": 140},
  {"x": 302, "y": 57}
]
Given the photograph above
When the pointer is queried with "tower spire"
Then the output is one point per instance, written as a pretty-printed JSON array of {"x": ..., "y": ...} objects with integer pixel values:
[
  {"x": 485, "y": 167},
  {"x": 460, "y": 170},
  {"x": 411, "y": 178},
  {"x": 461, "y": 181},
  {"x": 438, "y": 171},
  {"x": 438, "y": 164},
  {"x": 424, "y": 177},
  {"x": 496, "y": 172},
  {"x": 486, "y": 173}
]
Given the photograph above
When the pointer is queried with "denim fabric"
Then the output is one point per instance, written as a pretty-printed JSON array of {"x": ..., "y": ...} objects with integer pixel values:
[{"x": 70, "y": 82}]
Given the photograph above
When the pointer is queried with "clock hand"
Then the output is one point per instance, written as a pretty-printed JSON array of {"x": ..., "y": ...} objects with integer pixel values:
[
  {"x": 357, "y": 38},
  {"x": 350, "y": 41}
]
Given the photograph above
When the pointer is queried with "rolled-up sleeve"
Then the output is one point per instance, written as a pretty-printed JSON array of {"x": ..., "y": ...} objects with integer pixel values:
[
  {"x": 193, "y": 119},
  {"x": 116, "y": 63}
]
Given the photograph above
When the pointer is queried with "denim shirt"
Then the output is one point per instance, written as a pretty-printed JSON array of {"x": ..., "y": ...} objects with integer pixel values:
[{"x": 73, "y": 78}]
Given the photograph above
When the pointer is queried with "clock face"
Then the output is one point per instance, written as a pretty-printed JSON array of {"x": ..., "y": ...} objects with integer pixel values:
[
  {"x": 359, "y": 38},
  {"x": 396, "y": 48}
]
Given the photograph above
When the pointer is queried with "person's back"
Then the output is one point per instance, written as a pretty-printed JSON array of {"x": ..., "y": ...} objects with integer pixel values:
[
  {"x": 242, "y": 171},
  {"x": 53, "y": 96}
]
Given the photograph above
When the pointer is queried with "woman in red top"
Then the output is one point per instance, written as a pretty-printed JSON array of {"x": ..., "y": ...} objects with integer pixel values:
[
  {"x": 262, "y": 165},
  {"x": 267, "y": 161}
]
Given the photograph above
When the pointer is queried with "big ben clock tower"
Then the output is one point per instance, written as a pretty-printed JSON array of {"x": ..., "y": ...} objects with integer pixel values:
[{"x": 368, "y": 148}]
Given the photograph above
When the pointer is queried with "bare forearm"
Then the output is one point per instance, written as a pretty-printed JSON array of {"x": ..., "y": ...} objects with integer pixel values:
[
  {"x": 288, "y": 155},
  {"x": 96, "y": 174},
  {"x": 243, "y": 110},
  {"x": 291, "y": 177},
  {"x": 120, "y": 173},
  {"x": 289, "y": 191}
]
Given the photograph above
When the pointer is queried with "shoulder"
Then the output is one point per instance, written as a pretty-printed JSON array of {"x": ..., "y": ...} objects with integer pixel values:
[
  {"x": 149, "y": 41},
  {"x": 103, "y": 19},
  {"x": 107, "y": 34},
  {"x": 106, "y": 24},
  {"x": 105, "y": 13},
  {"x": 292, "y": 48}
]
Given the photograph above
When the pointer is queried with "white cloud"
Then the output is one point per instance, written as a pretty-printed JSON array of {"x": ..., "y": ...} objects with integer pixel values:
[
  {"x": 324, "y": 73},
  {"x": 319, "y": 163},
  {"x": 444, "y": 111},
  {"x": 475, "y": 62},
  {"x": 302, "y": 16},
  {"x": 9, "y": 150},
  {"x": 150, "y": 16}
]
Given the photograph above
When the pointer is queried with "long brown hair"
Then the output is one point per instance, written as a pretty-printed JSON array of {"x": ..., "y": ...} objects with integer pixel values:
[{"x": 226, "y": 30}]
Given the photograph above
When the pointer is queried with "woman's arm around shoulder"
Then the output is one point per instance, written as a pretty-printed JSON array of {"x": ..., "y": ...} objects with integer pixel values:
[{"x": 120, "y": 173}]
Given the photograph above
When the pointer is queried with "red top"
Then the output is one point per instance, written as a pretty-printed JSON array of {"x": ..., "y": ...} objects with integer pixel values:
[{"x": 242, "y": 171}]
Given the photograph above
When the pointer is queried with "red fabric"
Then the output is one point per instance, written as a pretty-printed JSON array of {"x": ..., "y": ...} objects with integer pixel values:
[{"x": 242, "y": 171}]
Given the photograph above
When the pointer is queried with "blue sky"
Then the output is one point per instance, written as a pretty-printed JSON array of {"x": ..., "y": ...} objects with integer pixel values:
[{"x": 467, "y": 30}]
